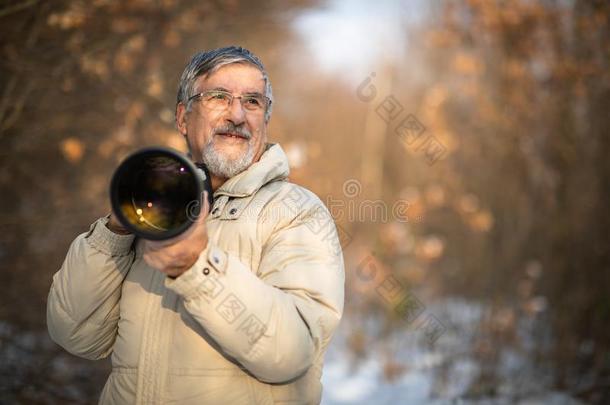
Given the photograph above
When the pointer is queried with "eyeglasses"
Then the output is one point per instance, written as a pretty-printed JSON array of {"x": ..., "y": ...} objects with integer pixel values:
[{"x": 219, "y": 100}]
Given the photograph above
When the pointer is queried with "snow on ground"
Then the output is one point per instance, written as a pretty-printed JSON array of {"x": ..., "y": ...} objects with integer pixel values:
[{"x": 347, "y": 383}]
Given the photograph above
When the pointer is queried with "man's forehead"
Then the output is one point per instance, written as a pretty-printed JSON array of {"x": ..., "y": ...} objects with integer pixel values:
[{"x": 234, "y": 77}]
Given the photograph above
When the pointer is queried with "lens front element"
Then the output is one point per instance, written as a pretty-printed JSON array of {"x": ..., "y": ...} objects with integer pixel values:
[{"x": 154, "y": 191}]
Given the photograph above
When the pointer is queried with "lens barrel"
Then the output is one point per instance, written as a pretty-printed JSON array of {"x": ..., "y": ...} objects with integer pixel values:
[{"x": 156, "y": 193}]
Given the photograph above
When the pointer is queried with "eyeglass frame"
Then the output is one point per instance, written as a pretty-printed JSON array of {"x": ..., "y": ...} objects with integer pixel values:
[{"x": 266, "y": 99}]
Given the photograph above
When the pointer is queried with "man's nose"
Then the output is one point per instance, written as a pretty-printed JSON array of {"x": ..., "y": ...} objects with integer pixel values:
[{"x": 236, "y": 113}]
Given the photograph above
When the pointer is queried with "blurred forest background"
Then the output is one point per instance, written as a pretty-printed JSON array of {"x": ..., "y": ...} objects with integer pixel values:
[{"x": 482, "y": 128}]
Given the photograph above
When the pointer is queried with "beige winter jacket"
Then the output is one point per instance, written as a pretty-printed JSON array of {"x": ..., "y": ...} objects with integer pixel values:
[{"x": 248, "y": 324}]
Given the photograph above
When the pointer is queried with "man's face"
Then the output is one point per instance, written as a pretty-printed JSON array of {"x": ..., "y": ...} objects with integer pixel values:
[{"x": 227, "y": 141}]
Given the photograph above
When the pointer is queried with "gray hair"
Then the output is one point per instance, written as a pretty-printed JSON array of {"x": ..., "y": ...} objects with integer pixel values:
[{"x": 204, "y": 63}]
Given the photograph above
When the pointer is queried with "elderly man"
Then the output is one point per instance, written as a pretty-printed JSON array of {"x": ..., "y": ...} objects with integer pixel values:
[{"x": 241, "y": 307}]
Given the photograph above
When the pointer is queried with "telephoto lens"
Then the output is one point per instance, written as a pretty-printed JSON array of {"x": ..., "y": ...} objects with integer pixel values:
[{"x": 157, "y": 192}]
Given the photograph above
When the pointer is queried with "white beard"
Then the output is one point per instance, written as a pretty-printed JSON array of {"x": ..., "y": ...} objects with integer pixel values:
[{"x": 221, "y": 166}]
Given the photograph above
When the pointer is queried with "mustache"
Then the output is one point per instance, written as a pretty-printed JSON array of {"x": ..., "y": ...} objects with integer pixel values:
[{"x": 232, "y": 129}]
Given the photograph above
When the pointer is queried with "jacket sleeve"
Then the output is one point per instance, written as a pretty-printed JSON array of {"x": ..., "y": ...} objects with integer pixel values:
[
  {"x": 83, "y": 304},
  {"x": 278, "y": 322}
]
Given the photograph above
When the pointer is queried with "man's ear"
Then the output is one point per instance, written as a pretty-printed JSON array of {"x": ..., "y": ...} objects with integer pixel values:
[{"x": 181, "y": 114}]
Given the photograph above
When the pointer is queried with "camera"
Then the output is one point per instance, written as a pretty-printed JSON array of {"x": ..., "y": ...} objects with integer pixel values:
[{"x": 156, "y": 193}]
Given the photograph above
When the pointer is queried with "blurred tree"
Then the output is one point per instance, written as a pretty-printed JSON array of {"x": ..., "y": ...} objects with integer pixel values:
[{"x": 528, "y": 94}]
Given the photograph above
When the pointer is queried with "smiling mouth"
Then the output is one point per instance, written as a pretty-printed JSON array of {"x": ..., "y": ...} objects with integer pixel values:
[{"x": 232, "y": 135}]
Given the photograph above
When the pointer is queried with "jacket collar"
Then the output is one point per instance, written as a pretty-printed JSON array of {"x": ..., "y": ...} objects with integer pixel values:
[{"x": 272, "y": 165}]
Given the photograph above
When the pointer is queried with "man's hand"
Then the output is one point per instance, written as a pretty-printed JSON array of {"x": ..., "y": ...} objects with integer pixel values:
[
  {"x": 115, "y": 226},
  {"x": 174, "y": 256}
]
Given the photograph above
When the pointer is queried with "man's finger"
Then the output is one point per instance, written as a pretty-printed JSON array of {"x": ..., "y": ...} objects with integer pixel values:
[{"x": 155, "y": 245}]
